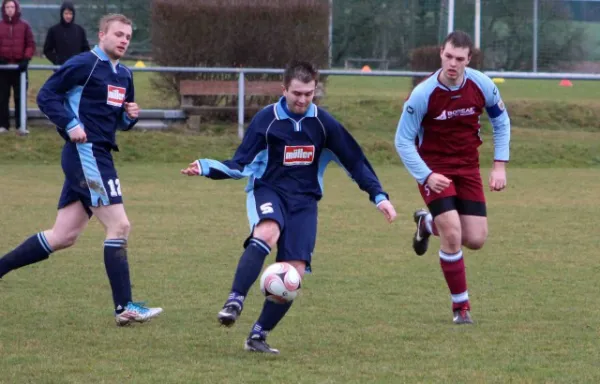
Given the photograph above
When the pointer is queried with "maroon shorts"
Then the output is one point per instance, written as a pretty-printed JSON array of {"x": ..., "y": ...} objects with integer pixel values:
[{"x": 465, "y": 194}]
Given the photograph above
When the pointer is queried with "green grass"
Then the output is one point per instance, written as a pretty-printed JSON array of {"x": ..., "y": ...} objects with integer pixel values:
[
  {"x": 554, "y": 105},
  {"x": 372, "y": 312},
  {"x": 552, "y": 126}
]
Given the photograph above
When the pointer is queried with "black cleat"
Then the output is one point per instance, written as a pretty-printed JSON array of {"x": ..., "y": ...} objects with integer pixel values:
[
  {"x": 229, "y": 314},
  {"x": 462, "y": 316},
  {"x": 421, "y": 238},
  {"x": 256, "y": 343}
]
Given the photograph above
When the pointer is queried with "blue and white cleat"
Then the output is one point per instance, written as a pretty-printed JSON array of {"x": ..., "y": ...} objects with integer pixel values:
[{"x": 136, "y": 313}]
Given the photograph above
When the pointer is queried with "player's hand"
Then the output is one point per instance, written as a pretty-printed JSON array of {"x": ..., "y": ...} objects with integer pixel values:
[
  {"x": 132, "y": 110},
  {"x": 192, "y": 170},
  {"x": 77, "y": 135},
  {"x": 498, "y": 177},
  {"x": 388, "y": 210},
  {"x": 438, "y": 182}
]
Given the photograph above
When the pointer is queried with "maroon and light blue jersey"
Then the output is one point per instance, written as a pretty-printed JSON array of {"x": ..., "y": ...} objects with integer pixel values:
[{"x": 439, "y": 128}]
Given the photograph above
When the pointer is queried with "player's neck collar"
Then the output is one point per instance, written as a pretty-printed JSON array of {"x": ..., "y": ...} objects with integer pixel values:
[
  {"x": 282, "y": 112},
  {"x": 453, "y": 87},
  {"x": 101, "y": 54}
]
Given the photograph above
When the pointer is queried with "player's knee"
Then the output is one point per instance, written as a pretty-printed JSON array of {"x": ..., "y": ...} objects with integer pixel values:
[
  {"x": 61, "y": 239},
  {"x": 267, "y": 231},
  {"x": 476, "y": 240},
  {"x": 120, "y": 230},
  {"x": 451, "y": 237}
]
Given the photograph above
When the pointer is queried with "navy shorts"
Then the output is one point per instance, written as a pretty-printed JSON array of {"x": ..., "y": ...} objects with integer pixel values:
[
  {"x": 298, "y": 224},
  {"x": 90, "y": 176}
]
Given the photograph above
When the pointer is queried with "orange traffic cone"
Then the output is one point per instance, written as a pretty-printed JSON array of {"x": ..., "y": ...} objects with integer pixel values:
[
  {"x": 366, "y": 68},
  {"x": 565, "y": 83}
]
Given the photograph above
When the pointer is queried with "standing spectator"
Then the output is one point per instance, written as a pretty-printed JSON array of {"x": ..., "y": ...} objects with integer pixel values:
[
  {"x": 16, "y": 47},
  {"x": 65, "y": 39}
]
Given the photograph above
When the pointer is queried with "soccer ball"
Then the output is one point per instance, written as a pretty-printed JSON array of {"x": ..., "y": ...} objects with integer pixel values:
[{"x": 280, "y": 283}]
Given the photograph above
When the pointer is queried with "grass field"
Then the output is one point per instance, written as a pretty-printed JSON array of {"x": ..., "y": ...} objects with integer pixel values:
[{"x": 372, "y": 312}]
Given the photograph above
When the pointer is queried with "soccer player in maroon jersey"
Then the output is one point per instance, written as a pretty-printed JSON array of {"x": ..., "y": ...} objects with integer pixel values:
[{"x": 437, "y": 139}]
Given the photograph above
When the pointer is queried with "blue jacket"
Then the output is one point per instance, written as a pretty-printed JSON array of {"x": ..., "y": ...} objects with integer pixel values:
[
  {"x": 89, "y": 91},
  {"x": 289, "y": 154}
]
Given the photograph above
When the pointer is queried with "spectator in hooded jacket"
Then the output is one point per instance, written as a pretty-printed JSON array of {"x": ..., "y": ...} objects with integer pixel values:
[
  {"x": 65, "y": 39},
  {"x": 16, "y": 47}
]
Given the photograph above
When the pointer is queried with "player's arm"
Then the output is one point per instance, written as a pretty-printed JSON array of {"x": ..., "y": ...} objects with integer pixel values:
[
  {"x": 244, "y": 162},
  {"x": 53, "y": 94},
  {"x": 501, "y": 129},
  {"x": 130, "y": 110},
  {"x": 498, "y": 116},
  {"x": 350, "y": 155},
  {"x": 413, "y": 112}
]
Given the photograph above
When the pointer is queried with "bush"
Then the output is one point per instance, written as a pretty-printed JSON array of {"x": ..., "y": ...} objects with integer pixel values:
[
  {"x": 428, "y": 59},
  {"x": 236, "y": 33}
]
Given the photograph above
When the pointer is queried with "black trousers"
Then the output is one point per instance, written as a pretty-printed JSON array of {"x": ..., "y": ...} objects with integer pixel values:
[{"x": 10, "y": 79}]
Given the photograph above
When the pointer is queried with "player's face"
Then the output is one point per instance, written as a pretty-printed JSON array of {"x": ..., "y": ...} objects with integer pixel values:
[
  {"x": 10, "y": 9},
  {"x": 68, "y": 15},
  {"x": 454, "y": 62},
  {"x": 115, "y": 41},
  {"x": 299, "y": 95}
]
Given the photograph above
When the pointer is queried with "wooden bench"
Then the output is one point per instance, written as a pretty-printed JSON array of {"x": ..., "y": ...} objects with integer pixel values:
[{"x": 189, "y": 89}]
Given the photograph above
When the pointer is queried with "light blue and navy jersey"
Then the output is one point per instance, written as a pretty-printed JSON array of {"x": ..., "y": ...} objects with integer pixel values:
[
  {"x": 289, "y": 154},
  {"x": 89, "y": 91},
  {"x": 439, "y": 128}
]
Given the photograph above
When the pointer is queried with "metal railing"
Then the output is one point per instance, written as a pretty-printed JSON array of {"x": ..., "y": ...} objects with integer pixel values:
[{"x": 179, "y": 114}]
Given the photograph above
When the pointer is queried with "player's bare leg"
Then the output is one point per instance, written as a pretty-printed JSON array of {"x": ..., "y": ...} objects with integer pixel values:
[
  {"x": 69, "y": 223},
  {"x": 264, "y": 237},
  {"x": 452, "y": 263},
  {"x": 474, "y": 231},
  {"x": 117, "y": 227}
]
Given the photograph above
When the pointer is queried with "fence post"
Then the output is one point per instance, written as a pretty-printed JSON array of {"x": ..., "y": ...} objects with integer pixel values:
[
  {"x": 241, "y": 102},
  {"x": 23, "y": 91}
]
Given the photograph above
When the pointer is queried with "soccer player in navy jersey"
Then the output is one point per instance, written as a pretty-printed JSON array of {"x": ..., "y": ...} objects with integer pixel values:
[
  {"x": 88, "y": 99},
  {"x": 437, "y": 139},
  {"x": 284, "y": 153}
]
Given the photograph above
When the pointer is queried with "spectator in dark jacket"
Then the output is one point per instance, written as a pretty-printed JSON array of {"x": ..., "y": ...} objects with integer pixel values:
[
  {"x": 16, "y": 47},
  {"x": 65, "y": 39}
]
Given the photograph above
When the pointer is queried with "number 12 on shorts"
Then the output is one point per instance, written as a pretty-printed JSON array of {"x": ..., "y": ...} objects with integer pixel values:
[{"x": 115, "y": 187}]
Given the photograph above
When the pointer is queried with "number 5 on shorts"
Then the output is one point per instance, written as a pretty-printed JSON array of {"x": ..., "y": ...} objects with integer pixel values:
[{"x": 266, "y": 208}]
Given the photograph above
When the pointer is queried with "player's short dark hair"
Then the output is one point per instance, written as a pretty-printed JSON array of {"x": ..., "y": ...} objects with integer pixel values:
[
  {"x": 459, "y": 39},
  {"x": 300, "y": 70}
]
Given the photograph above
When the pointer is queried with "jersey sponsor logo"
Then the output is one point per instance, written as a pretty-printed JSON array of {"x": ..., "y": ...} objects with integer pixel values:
[
  {"x": 298, "y": 154},
  {"x": 445, "y": 115},
  {"x": 115, "y": 95},
  {"x": 501, "y": 105}
]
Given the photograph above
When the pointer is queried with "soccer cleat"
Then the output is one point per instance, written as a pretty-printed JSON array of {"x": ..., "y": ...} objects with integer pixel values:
[
  {"x": 136, "y": 312},
  {"x": 229, "y": 314},
  {"x": 462, "y": 316},
  {"x": 421, "y": 238},
  {"x": 255, "y": 343}
]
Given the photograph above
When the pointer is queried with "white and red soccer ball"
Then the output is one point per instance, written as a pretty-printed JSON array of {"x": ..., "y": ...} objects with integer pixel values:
[{"x": 280, "y": 283}]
